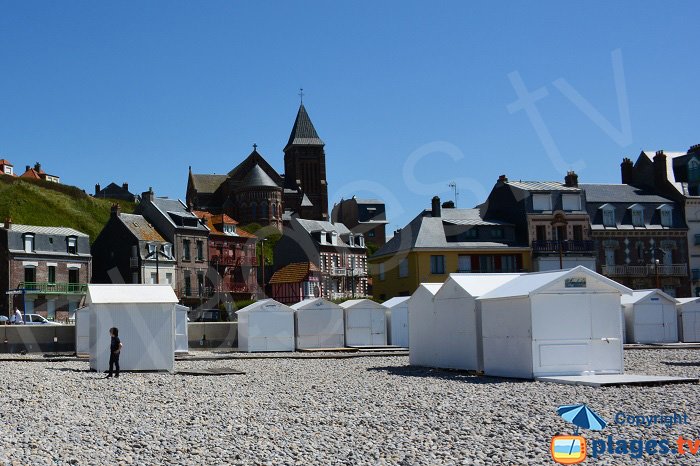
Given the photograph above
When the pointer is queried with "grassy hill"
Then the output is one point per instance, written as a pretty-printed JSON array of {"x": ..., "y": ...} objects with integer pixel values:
[{"x": 42, "y": 203}]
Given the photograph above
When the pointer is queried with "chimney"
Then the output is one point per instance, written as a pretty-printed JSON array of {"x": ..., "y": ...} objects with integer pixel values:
[
  {"x": 148, "y": 196},
  {"x": 660, "y": 176},
  {"x": 8, "y": 223},
  {"x": 571, "y": 179},
  {"x": 448, "y": 205},
  {"x": 502, "y": 179},
  {"x": 436, "y": 210},
  {"x": 694, "y": 148},
  {"x": 37, "y": 167},
  {"x": 97, "y": 189},
  {"x": 627, "y": 170},
  {"x": 116, "y": 210},
  {"x": 125, "y": 186},
  {"x": 28, "y": 168}
]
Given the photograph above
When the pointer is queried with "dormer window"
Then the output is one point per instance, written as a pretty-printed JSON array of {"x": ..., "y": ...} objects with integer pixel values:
[
  {"x": 351, "y": 240},
  {"x": 151, "y": 249},
  {"x": 229, "y": 230},
  {"x": 361, "y": 241},
  {"x": 542, "y": 202},
  {"x": 637, "y": 215},
  {"x": 29, "y": 242},
  {"x": 608, "y": 215},
  {"x": 571, "y": 201},
  {"x": 168, "y": 250},
  {"x": 72, "y": 245},
  {"x": 334, "y": 238},
  {"x": 666, "y": 212}
]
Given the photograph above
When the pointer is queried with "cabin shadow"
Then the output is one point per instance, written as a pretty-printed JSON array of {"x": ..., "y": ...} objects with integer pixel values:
[
  {"x": 682, "y": 363},
  {"x": 444, "y": 374}
]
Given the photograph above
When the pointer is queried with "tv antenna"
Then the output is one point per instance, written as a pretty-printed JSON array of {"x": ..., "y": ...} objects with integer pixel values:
[{"x": 453, "y": 185}]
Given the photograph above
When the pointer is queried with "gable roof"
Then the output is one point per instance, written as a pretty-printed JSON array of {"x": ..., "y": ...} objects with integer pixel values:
[
  {"x": 303, "y": 132},
  {"x": 40, "y": 230},
  {"x": 140, "y": 228},
  {"x": 207, "y": 184},
  {"x": 314, "y": 302},
  {"x": 530, "y": 283},
  {"x": 174, "y": 208},
  {"x": 639, "y": 295},
  {"x": 293, "y": 273},
  {"x": 265, "y": 305},
  {"x": 395, "y": 301},
  {"x": 361, "y": 303},
  {"x": 135, "y": 294},
  {"x": 478, "y": 284},
  {"x": 241, "y": 170}
]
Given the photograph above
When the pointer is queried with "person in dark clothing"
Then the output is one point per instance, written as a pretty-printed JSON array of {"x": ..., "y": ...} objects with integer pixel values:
[{"x": 115, "y": 348}]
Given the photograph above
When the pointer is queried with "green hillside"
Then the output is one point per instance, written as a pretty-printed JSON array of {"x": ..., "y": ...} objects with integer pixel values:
[{"x": 42, "y": 203}]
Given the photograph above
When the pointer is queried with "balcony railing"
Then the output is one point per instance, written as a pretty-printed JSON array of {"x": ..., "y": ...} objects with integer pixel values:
[
  {"x": 338, "y": 271},
  {"x": 564, "y": 246},
  {"x": 234, "y": 261},
  {"x": 53, "y": 288},
  {"x": 237, "y": 288},
  {"x": 673, "y": 270}
]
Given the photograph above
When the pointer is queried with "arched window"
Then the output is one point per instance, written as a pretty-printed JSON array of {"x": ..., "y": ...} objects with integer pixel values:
[
  {"x": 253, "y": 210},
  {"x": 274, "y": 210},
  {"x": 263, "y": 210}
]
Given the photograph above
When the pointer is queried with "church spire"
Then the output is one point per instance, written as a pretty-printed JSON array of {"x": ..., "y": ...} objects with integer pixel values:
[{"x": 303, "y": 131}]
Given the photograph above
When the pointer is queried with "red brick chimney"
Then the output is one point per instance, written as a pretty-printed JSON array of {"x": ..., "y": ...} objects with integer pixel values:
[
  {"x": 571, "y": 179},
  {"x": 8, "y": 223},
  {"x": 97, "y": 189},
  {"x": 125, "y": 186},
  {"x": 502, "y": 179},
  {"x": 627, "y": 171}
]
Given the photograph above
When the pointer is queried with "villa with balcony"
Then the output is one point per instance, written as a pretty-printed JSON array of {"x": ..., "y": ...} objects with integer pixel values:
[
  {"x": 640, "y": 237},
  {"x": 48, "y": 269}
]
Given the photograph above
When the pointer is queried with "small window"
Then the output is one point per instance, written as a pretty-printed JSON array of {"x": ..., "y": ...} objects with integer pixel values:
[
  {"x": 188, "y": 283},
  {"x": 371, "y": 233},
  {"x": 186, "y": 249},
  {"x": 151, "y": 249},
  {"x": 72, "y": 245},
  {"x": 154, "y": 278},
  {"x": 541, "y": 233},
  {"x": 403, "y": 268},
  {"x": 638, "y": 217},
  {"x": 571, "y": 201},
  {"x": 382, "y": 275},
  {"x": 497, "y": 232},
  {"x": 169, "y": 278},
  {"x": 200, "y": 250},
  {"x": 168, "y": 250},
  {"x": 508, "y": 264},
  {"x": 666, "y": 216},
  {"x": 437, "y": 265},
  {"x": 52, "y": 274},
  {"x": 609, "y": 217},
  {"x": 28, "y": 243},
  {"x": 541, "y": 202},
  {"x": 464, "y": 263},
  {"x": 578, "y": 232},
  {"x": 351, "y": 240}
]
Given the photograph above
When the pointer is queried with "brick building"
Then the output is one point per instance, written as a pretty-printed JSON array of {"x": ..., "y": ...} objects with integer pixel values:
[
  {"x": 363, "y": 216},
  {"x": 52, "y": 264}
]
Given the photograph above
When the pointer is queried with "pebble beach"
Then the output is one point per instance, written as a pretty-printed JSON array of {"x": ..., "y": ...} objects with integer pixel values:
[{"x": 352, "y": 411}]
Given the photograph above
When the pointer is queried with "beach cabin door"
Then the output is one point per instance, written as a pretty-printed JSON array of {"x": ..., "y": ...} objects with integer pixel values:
[
  {"x": 670, "y": 323},
  {"x": 649, "y": 322},
  {"x": 378, "y": 327}
]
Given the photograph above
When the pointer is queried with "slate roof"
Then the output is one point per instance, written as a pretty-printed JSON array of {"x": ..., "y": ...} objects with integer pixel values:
[
  {"x": 175, "y": 207},
  {"x": 207, "y": 183},
  {"x": 320, "y": 225},
  {"x": 256, "y": 178},
  {"x": 293, "y": 273},
  {"x": 542, "y": 186},
  {"x": 217, "y": 219},
  {"x": 303, "y": 132},
  {"x": 140, "y": 228},
  {"x": 619, "y": 193},
  {"x": 428, "y": 232}
]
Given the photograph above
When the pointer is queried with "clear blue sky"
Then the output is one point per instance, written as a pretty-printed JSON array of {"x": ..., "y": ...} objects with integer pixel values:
[{"x": 408, "y": 96}]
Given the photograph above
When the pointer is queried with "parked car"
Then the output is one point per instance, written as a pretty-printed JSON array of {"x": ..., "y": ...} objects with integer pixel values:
[
  {"x": 204, "y": 315},
  {"x": 36, "y": 319}
]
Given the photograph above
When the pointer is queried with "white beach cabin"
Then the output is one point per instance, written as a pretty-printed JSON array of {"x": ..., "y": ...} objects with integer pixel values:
[
  {"x": 319, "y": 324},
  {"x": 365, "y": 323},
  {"x": 650, "y": 317},
  {"x": 82, "y": 331},
  {"x": 397, "y": 320},
  {"x": 266, "y": 325},
  {"x": 553, "y": 323},
  {"x": 688, "y": 319},
  {"x": 457, "y": 324},
  {"x": 421, "y": 324},
  {"x": 181, "y": 335},
  {"x": 145, "y": 317}
]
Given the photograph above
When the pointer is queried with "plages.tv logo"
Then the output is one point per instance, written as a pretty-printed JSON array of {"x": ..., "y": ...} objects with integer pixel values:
[{"x": 571, "y": 449}]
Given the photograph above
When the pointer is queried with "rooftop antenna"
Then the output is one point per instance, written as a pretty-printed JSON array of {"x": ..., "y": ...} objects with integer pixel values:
[
  {"x": 301, "y": 95},
  {"x": 453, "y": 185}
]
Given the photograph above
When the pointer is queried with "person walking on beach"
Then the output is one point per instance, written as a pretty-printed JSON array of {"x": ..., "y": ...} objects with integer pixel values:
[{"x": 115, "y": 348}]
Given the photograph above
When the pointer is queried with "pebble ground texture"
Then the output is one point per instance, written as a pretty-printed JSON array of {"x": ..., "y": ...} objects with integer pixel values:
[{"x": 373, "y": 410}]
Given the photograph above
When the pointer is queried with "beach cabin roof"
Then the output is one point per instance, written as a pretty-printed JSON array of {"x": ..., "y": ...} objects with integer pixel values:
[
  {"x": 130, "y": 294},
  {"x": 531, "y": 283},
  {"x": 395, "y": 301},
  {"x": 639, "y": 295},
  {"x": 478, "y": 284},
  {"x": 313, "y": 302}
]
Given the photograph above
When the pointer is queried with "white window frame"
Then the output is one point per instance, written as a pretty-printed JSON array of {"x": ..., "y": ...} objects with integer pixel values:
[
  {"x": 609, "y": 217},
  {"x": 151, "y": 248},
  {"x": 29, "y": 243},
  {"x": 541, "y": 201},
  {"x": 72, "y": 241},
  {"x": 666, "y": 213},
  {"x": 638, "y": 217},
  {"x": 168, "y": 250},
  {"x": 571, "y": 202}
]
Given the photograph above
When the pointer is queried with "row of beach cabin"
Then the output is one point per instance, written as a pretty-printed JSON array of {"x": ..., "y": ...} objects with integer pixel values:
[{"x": 566, "y": 322}]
